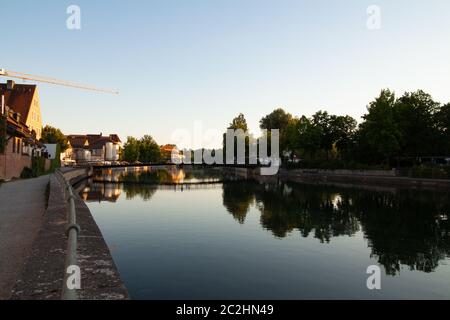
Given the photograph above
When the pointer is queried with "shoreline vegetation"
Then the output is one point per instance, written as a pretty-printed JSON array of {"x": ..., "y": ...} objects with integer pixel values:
[{"x": 410, "y": 133}]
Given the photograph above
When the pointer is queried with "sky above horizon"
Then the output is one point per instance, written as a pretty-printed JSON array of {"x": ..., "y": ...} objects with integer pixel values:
[{"x": 180, "y": 63}]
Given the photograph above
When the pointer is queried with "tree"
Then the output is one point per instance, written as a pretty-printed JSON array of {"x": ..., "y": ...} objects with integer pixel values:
[
  {"x": 324, "y": 124},
  {"x": 343, "y": 128},
  {"x": 239, "y": 123},
  {"x": 131, "y": 150},
  {"x": 278, "y": 119},
  {"x": 414, "y": 114},
  {"x": 379, "y": 136},
  {"x": 54, "y": 136},
  {"x": 292, "y": 135},
  {"x": 149, "y": 150}
]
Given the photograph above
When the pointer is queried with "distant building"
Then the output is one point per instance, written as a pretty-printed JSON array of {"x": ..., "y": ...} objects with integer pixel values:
[
  {"x": 93, "y": 148},
  {"x": 20, "y": 128},
  {"x": 169, "y": 151}
]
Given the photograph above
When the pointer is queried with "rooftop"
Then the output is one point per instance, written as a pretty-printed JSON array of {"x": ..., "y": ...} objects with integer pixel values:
[{"x": 20, "y": 98}]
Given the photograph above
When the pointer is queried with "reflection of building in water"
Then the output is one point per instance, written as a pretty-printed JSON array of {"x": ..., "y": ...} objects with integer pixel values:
[
  {"x": 102, "y": 192},
  {"x": 177, "y": 175},
  {"x": 336, "y": 200},
  {"x": 145, "y": 174}
]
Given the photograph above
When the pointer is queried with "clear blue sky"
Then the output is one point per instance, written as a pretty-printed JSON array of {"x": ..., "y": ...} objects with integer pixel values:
[{"x": 177, "y": 62}]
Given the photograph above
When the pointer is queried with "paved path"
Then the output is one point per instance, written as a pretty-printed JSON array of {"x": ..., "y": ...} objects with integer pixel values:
[{"x": 22, "y": 206}]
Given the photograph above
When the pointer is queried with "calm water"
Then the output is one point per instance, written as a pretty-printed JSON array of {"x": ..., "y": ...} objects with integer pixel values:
[{"x": 250, "y": 240}]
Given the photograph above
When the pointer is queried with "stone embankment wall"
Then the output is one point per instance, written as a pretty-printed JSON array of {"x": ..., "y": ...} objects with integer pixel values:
[
  {"x": 352, "y": 178},
  {"x": 43, "y": 274},
  {"x": 361, "y": 177}
]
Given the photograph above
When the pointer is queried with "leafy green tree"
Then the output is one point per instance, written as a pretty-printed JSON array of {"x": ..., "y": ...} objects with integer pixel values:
[
  {"x": 292, "y": 136},
  {"x": 239, "y": 123},
  {"x": 343, "y": 128},
  {"x": 379, "y": 136},
  {"x": 149, "y": 150},
  {"x": 414, "y": 114},
  {"x": 324, "y": 124},
  {"x": 54, "y": 136},
  {"x": 278, "y": 119},
  {"x": 309, "y": 138},
  {"x": 131, "y": 150}
]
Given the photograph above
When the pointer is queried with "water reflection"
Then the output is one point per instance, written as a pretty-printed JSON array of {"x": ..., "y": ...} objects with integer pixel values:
[
  {"x": 98, "y": 192},
  {"x": 405, "y": 228},
  {"x": 158, "y": 175}
]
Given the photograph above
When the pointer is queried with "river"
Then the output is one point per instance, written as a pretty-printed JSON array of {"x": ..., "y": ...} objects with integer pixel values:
[{"x": 188, "y": 234}]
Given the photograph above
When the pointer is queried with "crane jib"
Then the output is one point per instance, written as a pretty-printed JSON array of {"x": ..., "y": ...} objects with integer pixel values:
[{"x": 25, "y": 76}]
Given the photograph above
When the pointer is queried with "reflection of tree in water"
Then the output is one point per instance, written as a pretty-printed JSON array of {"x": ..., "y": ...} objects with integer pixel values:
[
  {"x": 307, "y": 210},
  {"x": 146, "y": 192},
  {"x": 401, "y": 229},
  {"x": 150, "y": 177},
  {"x": 284, "y": 209},
  {"x": 237, "y": 199},
  {"x": 405, "y": 229}
]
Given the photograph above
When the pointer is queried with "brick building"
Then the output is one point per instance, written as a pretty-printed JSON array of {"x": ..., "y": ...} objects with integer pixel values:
[{"x": 20, "y": 128}]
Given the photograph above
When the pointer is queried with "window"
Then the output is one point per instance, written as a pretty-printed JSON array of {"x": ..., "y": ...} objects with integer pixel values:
[{"x": 14, "y": 145}]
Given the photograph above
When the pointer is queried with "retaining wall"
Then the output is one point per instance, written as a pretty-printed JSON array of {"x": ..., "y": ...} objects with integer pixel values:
[
  {"x": 357, "y": 178},
  {"x": 43, "y": 274}
]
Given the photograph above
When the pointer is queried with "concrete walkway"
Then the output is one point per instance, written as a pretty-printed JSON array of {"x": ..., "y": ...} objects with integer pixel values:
[{"x": 22, "y": 206}]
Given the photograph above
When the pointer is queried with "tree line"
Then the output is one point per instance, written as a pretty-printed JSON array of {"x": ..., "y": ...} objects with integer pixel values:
[{"x": 394, "y": 132}]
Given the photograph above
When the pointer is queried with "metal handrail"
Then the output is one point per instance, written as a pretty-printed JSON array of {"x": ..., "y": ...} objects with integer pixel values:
[{"x": 72, "y": 234}]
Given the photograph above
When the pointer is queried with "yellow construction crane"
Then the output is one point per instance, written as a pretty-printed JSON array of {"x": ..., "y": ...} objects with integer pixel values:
[{"x": 25, "y": 76}]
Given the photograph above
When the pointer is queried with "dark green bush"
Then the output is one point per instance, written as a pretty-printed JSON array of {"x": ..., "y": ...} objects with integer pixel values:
[
  {"x": 27, "y": 173},
  {"x": 37, "y": 168}
]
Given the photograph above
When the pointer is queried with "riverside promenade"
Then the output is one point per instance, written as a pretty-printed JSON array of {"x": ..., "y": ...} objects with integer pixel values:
[
  {"x": 22, "y": 207},
  {"x": 33, "y": 243}
]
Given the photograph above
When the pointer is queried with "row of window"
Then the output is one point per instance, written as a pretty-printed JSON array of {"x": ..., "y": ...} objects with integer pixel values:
[
  {"x": 19, "y": 147},
  {"x": 34, "y": 114}
]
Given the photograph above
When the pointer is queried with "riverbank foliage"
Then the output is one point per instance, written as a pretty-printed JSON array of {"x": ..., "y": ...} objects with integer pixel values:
[
  {"x": 402, "y": 131},
  {"x": 37, "y": 168},
  {"x": 54, "y": 136}
]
